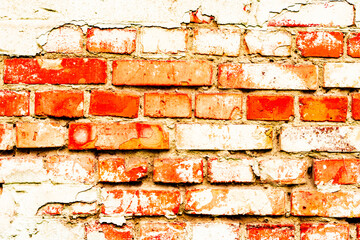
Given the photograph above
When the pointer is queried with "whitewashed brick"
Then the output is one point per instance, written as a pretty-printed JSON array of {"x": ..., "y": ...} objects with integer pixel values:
[
  {"x": 217, "y": 41},
  {"x": 67, "y": 39},
  {"x": 230, "y": 170},
  {"x": 215, "y": 231},
  {"x": 7, "y": 136},
  {"x": 160, "y": 40},
  {"x": 329, "y": 138},
  {"x": 268, "y": 43},
  {"x": 342, "y": 75},
  {"x": 283, "y": 171},
  {"x": 220, "y": 137},
  {"x": 317, "y": 14}
]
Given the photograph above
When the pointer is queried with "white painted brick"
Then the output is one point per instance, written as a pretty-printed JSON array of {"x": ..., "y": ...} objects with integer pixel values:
[
  {"x": 160, "y": 40},
  {"x": 217, "y": 41},
  {"x": 67, "y": 39},
  {"x": 343, "y": 75},
  {"x": 7, "y": 136},
  {"x": 266, "y": 43},
  {"x": 329, "y": 138},
  {"x": 283, "y": 171},
  {"x": 230, "y": 170},
  {"x": 223, "y": 137},
  {"x": 215, "y": 231}
]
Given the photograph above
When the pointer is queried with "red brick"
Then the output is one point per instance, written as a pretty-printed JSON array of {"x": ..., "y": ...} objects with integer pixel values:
[
  {"x": 336, "y": 171},
  {"x": 162, "y": 73},
  {"x": 111, "y": 40},
  {"x": 167, "y": 105},
  {"x": 324, "y": 231},
  {"x": 115, "y": 169},
  {"x": 230, "y": 170},
  {"x": 65, "y": 39},
  {"x": 120, "y": 104},
  {"x": 353, "y": 45},
  {"x": 70, "y": 169},
  {"x": 40, "y": 134},
  {"x": 325, "y": 204},
  {"x": 59, "y": 103},
  {"x": 268, "y": 76},
  {"x": 7, "y": 136},
  {"x": 235, "y": 202},
  {"x": 323, "y": 108},
  {"x": 269, "y": 232},
  {"x": 198, "y": 17},
  {"x": 213, "y": 231},
  {"x": 51, "y": 209},
  {"x": 55, "y": 71},
  {"x": 267, "y": 107},
  {"x": 320, "y": 44},
  {"x": 115, "y": 135},
  {"x": 226, "y": 106},
  {"x": 141, "y": 202},
  {"x": 178, "y": 170},
  {"x": 355, "y": 106},
  {"x": 96, "y": 230},
  {"x": 14, "y": 103},
  {"x": 162, "y": 230}
]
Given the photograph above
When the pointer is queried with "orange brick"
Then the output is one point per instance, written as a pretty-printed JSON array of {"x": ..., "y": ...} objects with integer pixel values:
[
  {"x": 7, "y": 136},
  {"x": 269, "y": 231},
  {"x": 120, "y": 104},
  {"x": 109, "y": 231},
  {"x": 355, "y": 106},
  {"x": 51, "y": 209},
  {"x": 162, "y": 230},
  {"x": 323, "y": 108},
  {"x": 162, "y": 73},
  {"x": 324, "y": 231},
  {"x": 197, "y": 17},
  {"x": 353, "y": 45},
  {"x": 115, "y": 169},
  {"x": 40, "y": 134},
  {"x": 337, "y": 171},
  {"x": 178, "y": 170},
  {"x": 268, "y": 76},
  {"x": 117, "y": 135},
  {"x": 111, "y": 40},
  {"x": 235, "y": 202},
  {"x": 70, "y": 169},
  {"x": 325, "y": 204},
  {"x": 55, "y": 71},
  {"x": 60, "y": 103},
  {"x": 320, "y": 44},
  {"x": 141, "y": 202},
  {"x": 218, "y": 106},
  {"x": 273, "y": 108},
  {"x": 167, "y": 105},
  {"x": 14, "y": 103}
]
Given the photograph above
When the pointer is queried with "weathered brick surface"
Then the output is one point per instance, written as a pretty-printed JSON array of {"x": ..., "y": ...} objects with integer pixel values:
[
  {"x": 325, "y": 204},
  {"x": 66, "y": 39},
  {"x": 14, "y": 103},
  {"x": 178, "y": 170},
  {"x": 235, "y": 202},
  {"x": 320, "y": 44},
  {"x": 117, "y": 135},
  {"x": 268, "y": 232},
  {"x": 141, "y": 202},
  {"x": 217, "y": 41},
  {"x": 167, "y": 105},
  {"x": 162, "y": 230},
  {"x": 320, "y": 138},
  {"x": 323, "y": 108},
  {"x": 267, "y": 107},
  {"x": 355, "y": 106},
  {"x": 324, "y": 231},
  {"x": 212, "y": 231},
  {"x": 160, "y": 40},
  {"x": 222, "y": 137},
  {"x": 95, "y": 230},
  {"x": 111, "y": 40},
  {"x": 268, "y": 43},
  {"x": 341, "y": 75},
  {"x": 7, "y": 136},
  {"x": 108, "y": 103},
  {"x": 227, "y": 106},
  {"x": 59, "y": 103},
  {"x": 230, "y": 170},
  {"x": 353, "y": 45},
  {"x": 268, "y": 76},
  {"x": 55, "y": 71},
  {"x": 161, "y": 73}
]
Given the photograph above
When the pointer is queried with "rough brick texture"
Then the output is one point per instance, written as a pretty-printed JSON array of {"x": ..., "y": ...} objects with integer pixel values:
[
  {"x": 14, "y": 103},
  {"x": 268, "y": 231},
  {"x": 324, "y": 231}
]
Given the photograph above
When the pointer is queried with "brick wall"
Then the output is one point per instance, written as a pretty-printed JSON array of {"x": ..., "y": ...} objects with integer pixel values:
[{"x": 233, "y": 120}]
